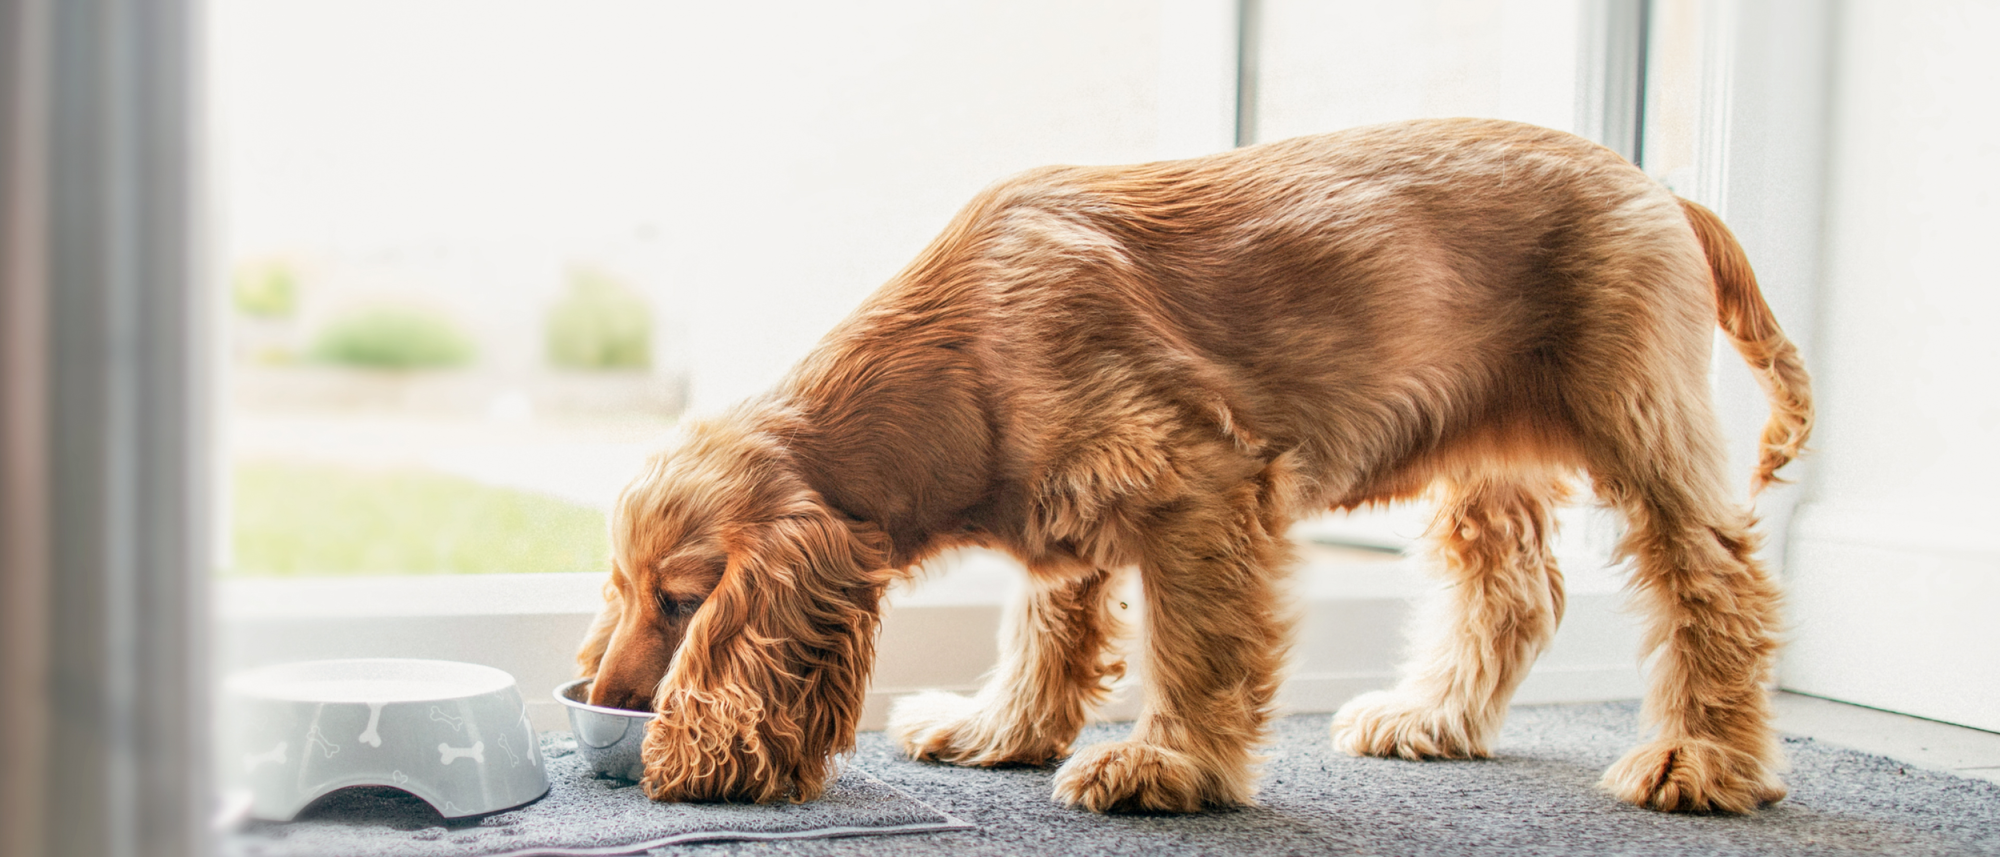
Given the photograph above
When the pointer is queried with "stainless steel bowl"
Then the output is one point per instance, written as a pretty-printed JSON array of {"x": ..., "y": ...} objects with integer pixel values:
[{"x": 607, "y": 738}]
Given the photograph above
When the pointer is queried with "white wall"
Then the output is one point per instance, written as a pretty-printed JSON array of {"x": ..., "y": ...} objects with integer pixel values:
[{"x": 1895, "y": 562}]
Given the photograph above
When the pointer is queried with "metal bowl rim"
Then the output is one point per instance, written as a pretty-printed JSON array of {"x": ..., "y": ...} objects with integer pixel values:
[{"x": 561, "y": 694}]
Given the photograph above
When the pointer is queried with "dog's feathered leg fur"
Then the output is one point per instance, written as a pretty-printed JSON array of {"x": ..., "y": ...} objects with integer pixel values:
[
  {"x": 1654, "y": 450},
  {"x": 1053, "y": 669},
  {"x": 1214, "y": 643},
  {"x": 1504, "y": 602},
  {"x": 1711, "y": 609},
  {"x": 1712, "y": 623}
]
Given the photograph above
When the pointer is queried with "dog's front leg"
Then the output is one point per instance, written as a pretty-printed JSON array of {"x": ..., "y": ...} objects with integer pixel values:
[
  {"x": 1052, "y": 670},
  {"x": 1214, "y": 642}
]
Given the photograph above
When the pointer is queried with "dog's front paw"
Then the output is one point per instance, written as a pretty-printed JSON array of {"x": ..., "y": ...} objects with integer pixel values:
[
  {"x": 1694, "y": 776},
  {"x": 1128, "y": 776},
  {"x": 1385, "y": 724},
  {"x": 945, "y": 727}
]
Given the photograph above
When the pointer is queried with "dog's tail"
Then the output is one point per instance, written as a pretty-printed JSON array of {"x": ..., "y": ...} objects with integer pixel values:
[{"x": 1741, "y": 311}]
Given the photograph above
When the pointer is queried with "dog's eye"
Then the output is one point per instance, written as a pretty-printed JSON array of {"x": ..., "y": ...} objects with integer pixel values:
[{"x": 672, "y": 607}]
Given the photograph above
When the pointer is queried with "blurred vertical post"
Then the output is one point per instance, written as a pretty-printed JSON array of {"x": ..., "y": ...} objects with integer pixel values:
[
  {"x": 1249, "y": 32},
  {"x": 103, "y": 694},
  {"x": 23, "y": 439},
  {"x": 1611, "y": 79}
]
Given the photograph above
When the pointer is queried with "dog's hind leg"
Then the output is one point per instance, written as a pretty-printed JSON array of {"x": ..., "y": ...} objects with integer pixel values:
[
  {"x": 1214, "y": 642},
  {"x": 1712, "y": 623},
  {"x": 1053, "y": 669},
  {"x": 1504, "y": 600}
]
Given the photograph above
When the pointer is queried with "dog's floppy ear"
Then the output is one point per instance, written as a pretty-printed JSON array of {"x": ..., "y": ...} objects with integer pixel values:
[
  {"x": 591, "y": 654},
  {"x": 769, "y": 683}
]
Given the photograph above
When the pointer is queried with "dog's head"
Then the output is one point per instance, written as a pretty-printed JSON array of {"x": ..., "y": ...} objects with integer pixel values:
[{"x": 743, "y": 610}]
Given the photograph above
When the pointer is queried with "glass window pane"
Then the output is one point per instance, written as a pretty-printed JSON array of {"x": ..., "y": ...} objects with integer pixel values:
[
  {"x": 481, "y": 254},
  {"x": 1323, "y": 66}
]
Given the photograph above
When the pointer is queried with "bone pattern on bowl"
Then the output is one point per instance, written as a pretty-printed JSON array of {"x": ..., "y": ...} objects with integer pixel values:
[{"x": 455, "y": 735}]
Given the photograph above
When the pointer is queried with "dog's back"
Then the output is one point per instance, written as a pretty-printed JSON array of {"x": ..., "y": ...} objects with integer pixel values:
[{"x": 1374, "y": 300}]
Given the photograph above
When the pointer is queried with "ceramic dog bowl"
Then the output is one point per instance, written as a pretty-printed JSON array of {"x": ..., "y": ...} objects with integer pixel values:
[
  {"x": 607, "y": 738},
  {"x": 454, "y": 734}
]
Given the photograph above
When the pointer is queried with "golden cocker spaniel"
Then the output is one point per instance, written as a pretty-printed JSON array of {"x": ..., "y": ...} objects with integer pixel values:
[{"x": 1159, "y": 367}]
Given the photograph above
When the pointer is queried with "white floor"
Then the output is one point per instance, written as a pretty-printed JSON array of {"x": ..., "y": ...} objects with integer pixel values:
[{"x": 1922, "y": 743}]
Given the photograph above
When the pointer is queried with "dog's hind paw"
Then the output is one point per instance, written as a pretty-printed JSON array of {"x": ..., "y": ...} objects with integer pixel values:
[
  {"x": 1694, "y": 776},
  {"x": 1384, "y": 724},
  {"x": 945, "y": 727},
  {"x": 1128, "y": 776}
]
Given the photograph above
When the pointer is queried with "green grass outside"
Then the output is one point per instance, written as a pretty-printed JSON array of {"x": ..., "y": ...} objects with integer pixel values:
[{"x": 305, "y": 520}]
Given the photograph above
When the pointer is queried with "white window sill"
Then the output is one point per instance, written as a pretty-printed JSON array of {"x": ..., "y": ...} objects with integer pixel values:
[{"x": 939, "y": 633}]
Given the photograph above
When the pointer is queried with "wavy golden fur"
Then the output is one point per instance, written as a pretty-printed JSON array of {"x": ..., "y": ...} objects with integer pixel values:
[{"x": 1159, "y": 367}]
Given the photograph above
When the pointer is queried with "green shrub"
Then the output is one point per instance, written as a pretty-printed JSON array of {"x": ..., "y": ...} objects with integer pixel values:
[
  {"x": 600, "y": 323},
  {"x": 265, "y": 290},
  {"x": 393, "y": 338}
]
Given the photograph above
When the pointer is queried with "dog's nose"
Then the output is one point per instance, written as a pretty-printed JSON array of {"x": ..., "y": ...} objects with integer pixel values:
[{"x": 610, "y": 695}]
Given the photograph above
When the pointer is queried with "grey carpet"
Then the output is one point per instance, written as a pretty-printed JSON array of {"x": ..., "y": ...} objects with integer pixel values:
[
  {"x": 581, "y": 815},
  {"x": 1537, "y": 797}
]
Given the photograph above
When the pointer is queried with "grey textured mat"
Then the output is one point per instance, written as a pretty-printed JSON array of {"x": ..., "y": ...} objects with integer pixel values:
[
  {"x": 1537, "y": 797},
  {"x": 581, "y": 815}
]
